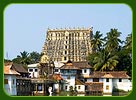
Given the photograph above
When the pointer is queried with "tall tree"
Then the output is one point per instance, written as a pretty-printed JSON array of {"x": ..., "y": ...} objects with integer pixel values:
[
  {"x": 97, "y": 41},
  {"x": 22, "y": 58},
  {"x": 125, "y": 56},
  {"x": 128, "y": 43},
  {"x": 104, "y": 61},
  {"x": 112, "y": 41},
  {"x": 35, "y": 57}
]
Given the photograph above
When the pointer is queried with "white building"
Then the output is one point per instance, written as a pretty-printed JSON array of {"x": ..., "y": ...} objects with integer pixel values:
[
  {"x": 33, "y": 70},
  {"x": 111, "y": 80},
  {"x": 10, "y": 79},
  {"x": 68, "y": 73},
  {"x": 57, "y": 67},
  {"x": 80, "y": 86},
  {"x": 93, "y": 81}
]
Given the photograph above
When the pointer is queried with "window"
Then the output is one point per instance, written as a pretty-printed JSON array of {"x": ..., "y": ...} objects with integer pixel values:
[
  {"x": 39, "y": 87},
  {"x": 68, "y": 77},
  {"x": 66, "y": 37},
  {"x": 95, "y": 79},
  {"x": 66, "y": 42},
  {"x": 36, "y": 70},
  {"x": 84, "y": 70},
  {"x": 56, "y": 70},
  {"x": 65, "y": 58},
  {"x": 5, "y": 81},
  {"x": 85, "y": 80},
  {"x": 65, "y": 47},
  {"x": 30, "y": 70},
  {"x": 66, "y": 87},
  {"x": 107, "y": 79},
  {"x": 107, "y": 87},
  {"x": 65, "y": 52},
  {"x": 13, "y": 81},
  {"x": 120, "y": 80},
  {"x": 79, "y": 87}
]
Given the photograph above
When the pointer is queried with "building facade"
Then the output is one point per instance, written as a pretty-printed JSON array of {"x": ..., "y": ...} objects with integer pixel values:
[
  {"x": 10, "y": 77},
  {"x": 33, "y": 70},
  {"x": 68, "y": 44}
]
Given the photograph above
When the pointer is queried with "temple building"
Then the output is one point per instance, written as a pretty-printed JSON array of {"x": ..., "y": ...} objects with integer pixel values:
[{"x": 68, "y": 44}]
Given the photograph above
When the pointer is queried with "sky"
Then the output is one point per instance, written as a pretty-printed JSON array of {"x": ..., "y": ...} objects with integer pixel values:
[{"x": 25, "y": 25}]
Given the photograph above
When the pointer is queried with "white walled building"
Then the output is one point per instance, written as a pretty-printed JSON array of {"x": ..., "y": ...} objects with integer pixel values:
[
  {"x": 10, "y": 80},
  {"x": 111, "y": 80},
  {"x": 33, "y": 70},
  {"x": 80, "y": 86},
  {"x": 57, "y": 67},
  {"x": 68, "y": 73},
  {"x": 96, "y": 81}
]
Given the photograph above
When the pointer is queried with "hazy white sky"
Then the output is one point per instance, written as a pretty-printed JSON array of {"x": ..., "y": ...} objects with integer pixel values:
[{"x": 25, "y": 25}]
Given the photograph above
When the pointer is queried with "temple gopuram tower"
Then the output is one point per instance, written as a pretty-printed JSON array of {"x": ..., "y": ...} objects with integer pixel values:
[{"x": 68, "y": 44}]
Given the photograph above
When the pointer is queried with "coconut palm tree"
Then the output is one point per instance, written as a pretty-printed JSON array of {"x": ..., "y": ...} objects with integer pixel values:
[
  {"x": 128, "y": 42},
  {"x": 112, "y": 41},
  {"x": 22, "y": 58},
  {"x": 97, "y": 41},
  {"x": 104, "y": 61}
]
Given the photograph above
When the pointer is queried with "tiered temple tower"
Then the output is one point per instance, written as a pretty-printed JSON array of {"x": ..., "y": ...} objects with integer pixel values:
[{"x": 68, "y": 44}]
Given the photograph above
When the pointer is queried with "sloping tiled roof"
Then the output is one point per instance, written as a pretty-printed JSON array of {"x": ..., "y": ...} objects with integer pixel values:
[
  {"x": 69, "y": 65},
  {"x": 82, "y": 64},
  {"x": 55, "y": 77},
  {"x": 110, "y": 74},
  {"x": 9, "y": 70},
  {"x": 19, "y": 68},
  {"x": 94, "y": 86},
  {"x": 78, "y": 82}
]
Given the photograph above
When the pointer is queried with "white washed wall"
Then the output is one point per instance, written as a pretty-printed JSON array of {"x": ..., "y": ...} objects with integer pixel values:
[
  {"x": 33, "y": 73},
  {"x": 82, "y": 88},
  {"x": 89, "y": 80},
  {"x": 105, "y": 84},
  {"x": 87, "y": 71},
  {"x": 70, "y": 82},
  {"x": 10, "y": 88},
  {"x": 125, "y": 85}
]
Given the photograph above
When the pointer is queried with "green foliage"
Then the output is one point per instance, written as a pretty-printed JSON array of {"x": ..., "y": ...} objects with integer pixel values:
[
  {"x": 97, "y": 41},
  {"x": 63, "y": 93},
  {"x": 104, "y": 61},
  {"x": 7, "y": 60},
  {"x": 26, "y": 58},
  {"x": 111, "y": 55},
  {"x": 22, "y": 58},
  {"x": 112, "y": 41},
  {"x": 35, "y": 57}
]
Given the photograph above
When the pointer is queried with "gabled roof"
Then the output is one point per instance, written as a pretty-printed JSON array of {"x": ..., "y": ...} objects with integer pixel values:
[
  {"x": 55, "y": 77},
  {"x": 78, "y": 82},
  {"x": 19, "y": 68},
  {"x": 82, "y": 64},
  {"x": 94, "y": 86},
  {"x": 110, "y": 74},
  {"x": 9, "y": 70},
  {"x": 69, "y": 65}
]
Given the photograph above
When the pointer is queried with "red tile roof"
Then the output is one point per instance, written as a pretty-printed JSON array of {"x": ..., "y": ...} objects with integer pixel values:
[
  {"x": 78, "y": 82},
  {"x": 19, "y": 68},
  {"x": 94, "y": 86},
  {"x": 56, "y": 77},
  {"x": 110, "y": 74},
  {"x": 82, "y": 64},
  {"x": 69, "y": 65},
  {"x": 9, "y": 70}
]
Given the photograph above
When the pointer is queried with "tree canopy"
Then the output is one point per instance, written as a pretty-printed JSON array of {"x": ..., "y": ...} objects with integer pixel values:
[{"x": 110, "y": 54}]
